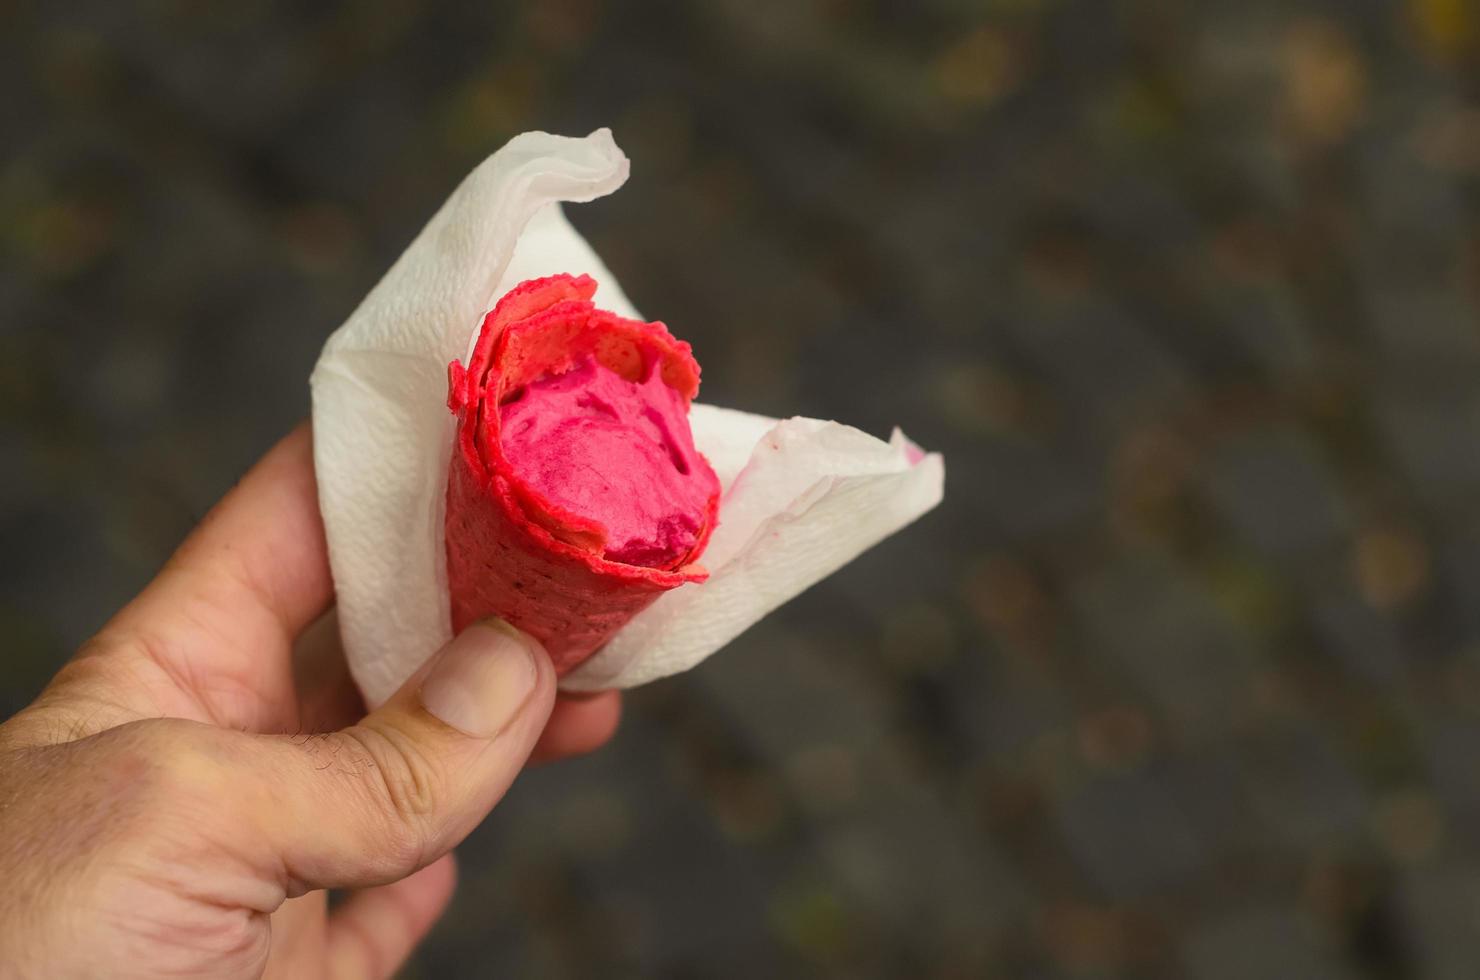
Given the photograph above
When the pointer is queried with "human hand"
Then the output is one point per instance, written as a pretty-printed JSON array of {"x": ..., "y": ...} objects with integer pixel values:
[{"x": 178, "y": 799}]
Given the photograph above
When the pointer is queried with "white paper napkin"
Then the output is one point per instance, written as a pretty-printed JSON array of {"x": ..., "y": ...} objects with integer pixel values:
[{"x": 802, "y": 497}]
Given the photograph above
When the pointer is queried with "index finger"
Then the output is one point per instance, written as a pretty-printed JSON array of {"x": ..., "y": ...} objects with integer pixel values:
[{"x": 220, "y": 618}]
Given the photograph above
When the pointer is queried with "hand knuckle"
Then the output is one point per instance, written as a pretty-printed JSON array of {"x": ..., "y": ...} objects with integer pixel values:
[
  {"x": 406, "y": 785},
  {"x": 169, "y": 758}
]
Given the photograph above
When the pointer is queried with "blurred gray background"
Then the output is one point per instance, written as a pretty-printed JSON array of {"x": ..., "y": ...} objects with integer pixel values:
[{"x": 1184, "y": 677}]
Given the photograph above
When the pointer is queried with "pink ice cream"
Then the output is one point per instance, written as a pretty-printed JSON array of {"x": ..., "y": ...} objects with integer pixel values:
[{"x": 618, "y": 453}]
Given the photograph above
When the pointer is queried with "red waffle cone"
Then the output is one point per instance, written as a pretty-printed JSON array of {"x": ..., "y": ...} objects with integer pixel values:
[{"x": 510, "y": 552}]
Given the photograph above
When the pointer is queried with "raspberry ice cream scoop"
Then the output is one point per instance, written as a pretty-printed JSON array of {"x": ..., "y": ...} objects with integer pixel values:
[{"x": 617, "y": 452}]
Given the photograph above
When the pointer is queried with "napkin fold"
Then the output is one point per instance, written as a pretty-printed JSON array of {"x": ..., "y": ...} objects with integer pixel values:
[{"x": 802, "y": 497}]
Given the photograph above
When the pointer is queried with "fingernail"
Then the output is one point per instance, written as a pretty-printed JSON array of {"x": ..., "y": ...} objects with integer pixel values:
[{"x": 482, "y": 679}]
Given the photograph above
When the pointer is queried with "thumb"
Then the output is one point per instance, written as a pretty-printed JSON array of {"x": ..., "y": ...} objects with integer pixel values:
[{"x": 391, "y": 794}]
